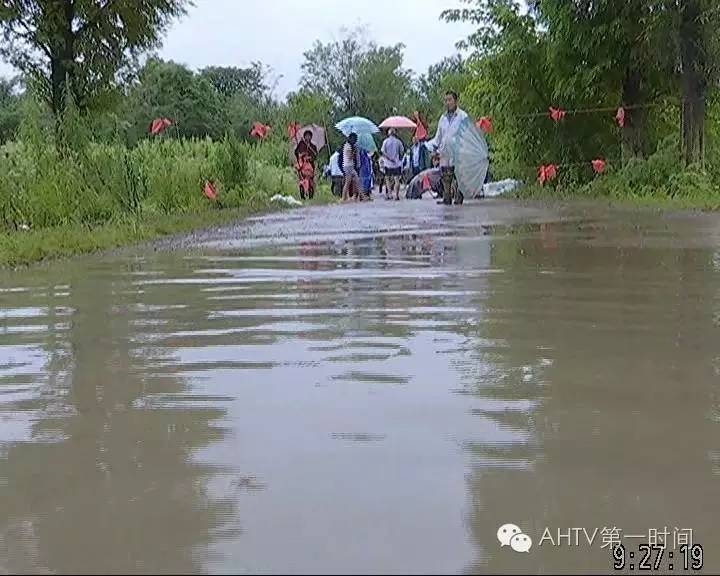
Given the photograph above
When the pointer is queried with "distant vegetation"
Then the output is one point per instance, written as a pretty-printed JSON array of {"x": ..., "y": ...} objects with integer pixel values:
[
  {"x": 658, "y": 59},
  {"x": 74, "y": 123}
]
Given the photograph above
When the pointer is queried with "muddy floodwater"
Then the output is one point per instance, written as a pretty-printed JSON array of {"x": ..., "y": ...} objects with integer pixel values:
[{"x": 367, "y": 389}]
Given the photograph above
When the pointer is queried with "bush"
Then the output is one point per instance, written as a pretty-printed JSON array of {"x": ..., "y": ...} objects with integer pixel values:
[
  {"x": 661, "y": 178},
  {"x": 84, "y": 182}
]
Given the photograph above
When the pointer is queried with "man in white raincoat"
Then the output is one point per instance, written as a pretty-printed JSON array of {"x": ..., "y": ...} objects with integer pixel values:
[{"x": 442, "y": 144}]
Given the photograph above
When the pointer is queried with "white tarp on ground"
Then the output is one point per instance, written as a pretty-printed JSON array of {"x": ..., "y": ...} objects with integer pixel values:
[{"x": 492, "y": 189}]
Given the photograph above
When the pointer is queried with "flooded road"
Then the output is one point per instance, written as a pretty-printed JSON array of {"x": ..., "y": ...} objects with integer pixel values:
[{"x": 374, "y": 388}]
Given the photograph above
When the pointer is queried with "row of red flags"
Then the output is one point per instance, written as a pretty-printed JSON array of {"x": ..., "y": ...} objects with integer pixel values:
[
  {"x": 159, "y": 125},
  {"x": 556, "y": 114},
  {"x": 549, "y": 172},
  {"x": 546, "y": 172},
  {"x": 261, "y": 131}
]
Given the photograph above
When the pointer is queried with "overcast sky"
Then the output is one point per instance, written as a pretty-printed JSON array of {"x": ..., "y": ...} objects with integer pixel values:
[{"x": 277, "y": 32}]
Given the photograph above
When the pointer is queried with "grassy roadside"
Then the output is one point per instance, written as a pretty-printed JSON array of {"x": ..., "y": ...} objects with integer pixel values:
[
  {"x": 659, "y": 181},
  {"x": 62, "y": 193},
  {"x": 21, "y": 248},
  {"x": 629, "y": 199}
]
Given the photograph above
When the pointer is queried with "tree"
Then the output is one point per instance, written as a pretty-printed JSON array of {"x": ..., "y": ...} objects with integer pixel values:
[
  {"x": 305, "y": 106},
  {"x": 507, "y": 68},
  {"x": 78, "y": 47},
  {"x": 230, "y": 81},
  {"x": 167, "y": 89},
  {"x": 358, "y": 76},
  {"x": 10, "y": 104},
  {"x": 330, "y": 69},
  {"x": 607, "y": 51},
  {"x": 383, "y": 87},
  {"x": 697, "y": 22},
  {"x": 451, "y": 73}
]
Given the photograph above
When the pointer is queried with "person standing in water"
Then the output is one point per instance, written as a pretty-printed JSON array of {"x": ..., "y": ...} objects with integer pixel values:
[
  {"x": 393, "y": 151},
  {"x": 351, "y": 167},
  {"x": 442, "y": 143}
]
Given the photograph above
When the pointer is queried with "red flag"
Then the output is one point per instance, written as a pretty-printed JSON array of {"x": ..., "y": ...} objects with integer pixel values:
[
  {"x": 599, "y": 165},
  {"x": 421, "y": 132},
  {"x": 159, "y": 125},
  {"x": 293, "y": 129},
  {"x": 421, "y": 129},
  {"x": 485, "y": 124},
  {"x": 542, "y": 177},
  {"x": 259, "y": 130},
  {"x": 620, "y": 117},
  {"x": 557, "y": 114},
  {"x": 547, "y": 173},
  {"x": 426, "y": 184},
  {"x": 210, "y": 191}
]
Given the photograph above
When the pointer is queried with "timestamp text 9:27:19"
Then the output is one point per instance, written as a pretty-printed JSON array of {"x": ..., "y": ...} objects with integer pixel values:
[{"x": 651, "y": 557}]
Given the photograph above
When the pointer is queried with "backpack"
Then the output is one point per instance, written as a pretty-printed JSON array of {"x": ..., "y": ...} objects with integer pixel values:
[{"x": 341, "y": 160}]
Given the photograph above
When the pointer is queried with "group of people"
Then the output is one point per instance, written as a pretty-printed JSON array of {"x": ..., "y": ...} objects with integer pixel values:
[{"x": 353, "y": 170}]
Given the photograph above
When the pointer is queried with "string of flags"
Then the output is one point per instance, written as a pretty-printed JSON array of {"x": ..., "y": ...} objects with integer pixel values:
[
  {"x": 557, "y": 115},
  {"x": 546, "y": 172},
  {"x": 549, "y": 172}
]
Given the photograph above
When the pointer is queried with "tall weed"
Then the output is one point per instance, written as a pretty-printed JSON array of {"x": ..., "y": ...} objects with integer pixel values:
[{"x": 44, "y": 184}]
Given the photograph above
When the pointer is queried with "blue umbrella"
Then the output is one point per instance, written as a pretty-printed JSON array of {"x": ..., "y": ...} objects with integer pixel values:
[
  {"x": 357, "y": 124},
  {"x": 367, "y": 142}
]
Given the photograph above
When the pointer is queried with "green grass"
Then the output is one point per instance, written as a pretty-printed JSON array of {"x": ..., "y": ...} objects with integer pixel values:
[
  {"x": 63, "y": 194},
  {"x": 660, "y": 181},
  {"x": 631, "y": 199},
  {"x": 24, "y": 247}
]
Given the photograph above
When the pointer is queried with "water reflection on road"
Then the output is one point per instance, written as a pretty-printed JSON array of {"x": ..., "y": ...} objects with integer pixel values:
[{"x": 363, "y": 389}]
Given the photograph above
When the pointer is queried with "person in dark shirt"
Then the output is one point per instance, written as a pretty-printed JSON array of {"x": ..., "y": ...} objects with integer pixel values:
[
  {"x": 306, "y": 146},
  {"x": 306, "y": 154}
]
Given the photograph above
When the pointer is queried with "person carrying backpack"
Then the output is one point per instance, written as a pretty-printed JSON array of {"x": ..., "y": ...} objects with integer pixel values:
[{"x": 351, "y": 168}]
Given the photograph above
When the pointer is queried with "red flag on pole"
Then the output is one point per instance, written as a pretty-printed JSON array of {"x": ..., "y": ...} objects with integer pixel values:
[
  {"x": 485, "y": 124},
  {"x": 293, "y": 129},
  {"x": 557, "y": 114},
  {"x": 210, "y": 191},
  {"x": 259, "y": 130},
  {"x": 547, "y": 173},
  {"x": 620, "y": 117},
  {"x": 159, "y": 125},
  {"x": 421, "y": 129},
  {"x": 542, "y": 177}
]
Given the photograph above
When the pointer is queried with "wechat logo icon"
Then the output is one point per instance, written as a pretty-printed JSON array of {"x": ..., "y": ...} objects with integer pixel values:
[{"x": 511, "y": 535}]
